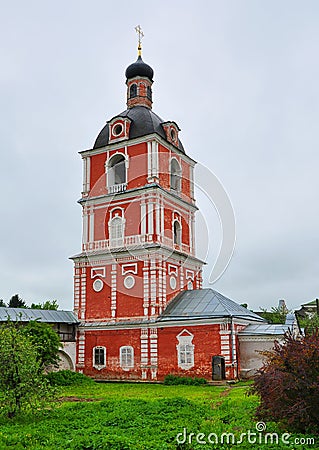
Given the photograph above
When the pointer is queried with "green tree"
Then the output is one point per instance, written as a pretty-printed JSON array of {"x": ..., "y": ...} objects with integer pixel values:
[
  {"x": 310, "y": 323},
  {"x": 2, "y": 304},
  {"x": 45, "y": 340},
  {"x": 49, "y": 304},
  {"x": 277, "y": 314},
  {"x": 17, "y": 302},
  {"x": 22, "y": 383}
]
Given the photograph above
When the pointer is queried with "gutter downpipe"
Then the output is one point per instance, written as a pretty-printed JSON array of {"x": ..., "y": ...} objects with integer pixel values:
[{"x": 233, "y": 344}]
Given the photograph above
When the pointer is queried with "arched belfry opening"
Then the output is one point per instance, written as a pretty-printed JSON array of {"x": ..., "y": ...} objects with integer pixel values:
[{"x": 116, "y": 172}]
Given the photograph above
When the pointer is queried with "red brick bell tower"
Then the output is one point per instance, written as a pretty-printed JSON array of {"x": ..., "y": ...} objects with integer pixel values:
[{"x": 138, "y": 247}]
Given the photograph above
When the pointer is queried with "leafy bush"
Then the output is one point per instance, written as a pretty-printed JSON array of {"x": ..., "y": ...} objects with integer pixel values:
[
  {"x": 67, "y": 378},
  {"x": 22, "y": 384},
  {"x": 288, "y": 383},
  {"x": 174, "y": 380}
]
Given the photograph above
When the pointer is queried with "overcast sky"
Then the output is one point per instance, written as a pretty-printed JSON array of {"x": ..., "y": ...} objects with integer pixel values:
[{"x": 241, "y": 80}]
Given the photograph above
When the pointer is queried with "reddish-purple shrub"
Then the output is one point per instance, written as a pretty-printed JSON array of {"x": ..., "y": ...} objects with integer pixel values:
[{"x": 288, "y": 383}]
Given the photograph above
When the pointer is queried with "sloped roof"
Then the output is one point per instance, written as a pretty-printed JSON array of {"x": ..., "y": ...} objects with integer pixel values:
[
  {"x": 205, "y": 303},
  {"x": 143, "y": 122},
  {"x": 265, "y": 328},
  {"x": 42, "y": 315}
]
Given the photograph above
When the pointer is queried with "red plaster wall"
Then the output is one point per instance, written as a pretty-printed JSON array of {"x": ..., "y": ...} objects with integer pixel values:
[
  {"x": 207, "y": 344},
  {"x": 97, "y": 176},
  {"x": 112, "y": 340}
]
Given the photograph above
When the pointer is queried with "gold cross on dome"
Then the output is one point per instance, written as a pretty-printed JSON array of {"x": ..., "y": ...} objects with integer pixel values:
[{"x": 140, "y": 33}]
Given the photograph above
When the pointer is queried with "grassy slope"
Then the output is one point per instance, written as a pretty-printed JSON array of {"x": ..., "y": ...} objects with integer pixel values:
[{"x": 135, "y": 416}]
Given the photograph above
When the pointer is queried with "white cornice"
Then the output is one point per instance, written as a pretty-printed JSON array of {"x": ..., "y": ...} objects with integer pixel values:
[
  {"x": 126, "y": 195},
  {"x": 138, "y": 140}
]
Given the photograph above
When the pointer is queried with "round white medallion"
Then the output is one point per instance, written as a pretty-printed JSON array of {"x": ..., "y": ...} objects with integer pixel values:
[
  {"x": 129, "y": 282},
  {"x": 98, "y": 285},
  {"x": 172, "y": 282}
]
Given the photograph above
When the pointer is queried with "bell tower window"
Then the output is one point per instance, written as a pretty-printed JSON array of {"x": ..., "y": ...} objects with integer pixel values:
[
  {"x": 177, "y": 232},
  {"x": 175, "y": 178},
  {"x": 149, "y": 93},
  {"x": 133, "y": 90},
  {"x": 116, "y": 174}
]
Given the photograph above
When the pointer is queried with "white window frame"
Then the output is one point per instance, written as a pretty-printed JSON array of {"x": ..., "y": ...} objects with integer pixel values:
[
  {"x": 110, "y": 176},
  {"x": 118, "y": 239},
  {"x": 185, "y": 350},
  {"x": 125, "y": 365},
  {"x": 99, "y": 366}
]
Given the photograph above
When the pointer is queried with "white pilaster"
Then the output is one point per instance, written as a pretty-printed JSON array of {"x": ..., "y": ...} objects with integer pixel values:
[
  {"x": 113, "y": 290},
  {"x": 143, "y": 218}
]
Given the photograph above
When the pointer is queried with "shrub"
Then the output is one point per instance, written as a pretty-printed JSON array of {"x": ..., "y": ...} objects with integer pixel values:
[
  {"x": 174, "y": 379},
  {"x": 288, "y": 383},
  {"x": 67, "y": 378},
  {"x": 22, "y": 384}
]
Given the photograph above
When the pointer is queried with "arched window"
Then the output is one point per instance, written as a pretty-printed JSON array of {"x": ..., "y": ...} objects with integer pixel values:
[
  {"x": 149, "y": 92},
  {"x": 133, "y": 90},
  {"x": 116, "y": 232},
  {"x": 116, "y": 173},
  {"x": 185, "y": 350},
  {"x": 175, "y": 175},
  {"x": 127, "y": 357},
  {"x": 177, "y": 232}
]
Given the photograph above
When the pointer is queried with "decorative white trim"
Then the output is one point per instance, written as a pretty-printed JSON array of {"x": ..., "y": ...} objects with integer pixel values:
[
  {"x": 153, "y": 352},
  {"x": 189, "y": 275},
  {"x": 146, "y": 287},
  {"x": 153, "y": 285},
  {"x": 113, "y": 290},
  {"x": 85, "y": 228},
  {"x": 172, "y": 270},
  {"x": 129, "y": 268},
  {"x": 83, "y": 293},
  {"x": 81, "y": 349},
  {"x": 91, "y": 226},
  {"x": 144, "y": 352},
  {"x": 150, "y": 218},
  {"x": 143, "y": 218},
  {"x": 185, "y": 350},
  {"x": 98, "y": 272}
]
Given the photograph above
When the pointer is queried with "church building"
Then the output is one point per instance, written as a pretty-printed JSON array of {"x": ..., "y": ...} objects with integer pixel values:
[{"x": 137, "y": 282}]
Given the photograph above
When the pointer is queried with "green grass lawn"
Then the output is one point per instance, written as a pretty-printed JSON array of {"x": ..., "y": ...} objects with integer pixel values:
[{"x": 140, "y": 416}]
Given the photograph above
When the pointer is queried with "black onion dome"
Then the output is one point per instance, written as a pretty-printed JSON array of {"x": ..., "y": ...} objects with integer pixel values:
[
  {"x": 139, "y": 69},
  {"x": 143, "y": 122}
]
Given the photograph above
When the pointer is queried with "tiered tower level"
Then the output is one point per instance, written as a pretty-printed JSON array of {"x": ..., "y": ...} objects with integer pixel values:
[{"x": 138, "y": 249}]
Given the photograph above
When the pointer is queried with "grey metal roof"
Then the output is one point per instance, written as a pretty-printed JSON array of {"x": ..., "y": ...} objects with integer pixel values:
[
  {"x": 265, "y": 328},
  {"x": 144, "y": 122},
  {"x": 205, "y": 303},
  {"x": 42, "y": 315}
]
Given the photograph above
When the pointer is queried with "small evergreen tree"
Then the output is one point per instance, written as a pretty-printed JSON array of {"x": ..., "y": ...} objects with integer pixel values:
[
  {"x": 2, "y": 303},
  {"x": 17, "y": 302},
  {"x": 288, "y": 383}
]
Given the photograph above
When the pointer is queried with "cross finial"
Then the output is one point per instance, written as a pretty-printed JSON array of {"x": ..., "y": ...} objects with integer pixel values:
[{"x": 140, "y": 33}]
